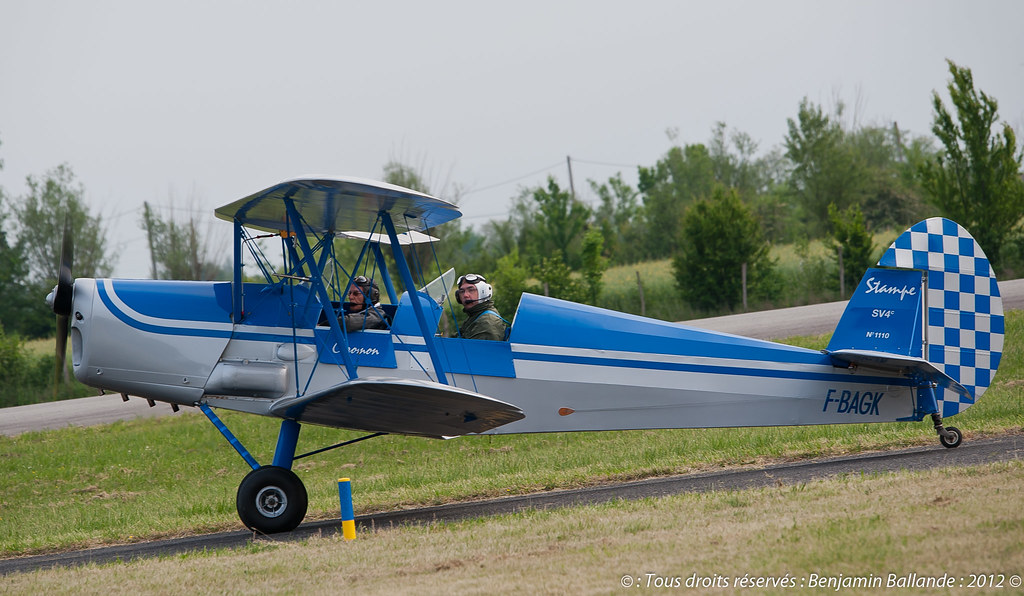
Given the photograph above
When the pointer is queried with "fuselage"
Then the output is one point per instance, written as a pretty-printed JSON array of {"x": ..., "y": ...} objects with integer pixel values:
[{"x": 569, "y": 367}]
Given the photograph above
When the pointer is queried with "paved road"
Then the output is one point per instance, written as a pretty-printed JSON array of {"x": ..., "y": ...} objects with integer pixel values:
[
  {"x": 775, "y": 324},
  {"x": 970, "y": 453}
]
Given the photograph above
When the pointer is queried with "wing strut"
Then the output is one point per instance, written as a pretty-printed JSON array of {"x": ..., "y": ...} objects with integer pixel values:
[
  {"x": 383, "y": 266},
  {"x": 317, "y": 282},
  {"x": 410, "y": 285}
]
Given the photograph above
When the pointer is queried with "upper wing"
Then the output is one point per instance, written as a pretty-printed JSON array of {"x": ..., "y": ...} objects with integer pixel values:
[
  {"x": 399, "y": 406},
  {"x": 329, "y": 204}
]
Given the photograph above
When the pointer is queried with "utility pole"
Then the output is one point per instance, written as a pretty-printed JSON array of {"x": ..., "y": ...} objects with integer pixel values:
[
  {"x": 572, "y": 188},
  {"x": 148, "y": 216}
]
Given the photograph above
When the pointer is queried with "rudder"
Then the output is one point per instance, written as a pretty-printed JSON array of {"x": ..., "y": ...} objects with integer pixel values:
[{"x": 964, "y": 312}]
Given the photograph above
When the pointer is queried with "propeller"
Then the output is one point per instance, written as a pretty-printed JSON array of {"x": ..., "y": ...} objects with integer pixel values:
[{"x": 63, "y": 296}]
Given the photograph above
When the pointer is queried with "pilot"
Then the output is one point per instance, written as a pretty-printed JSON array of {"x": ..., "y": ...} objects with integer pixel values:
[
  {"x": 483, "y": 322},
  {"x": 358, "y": 313}
]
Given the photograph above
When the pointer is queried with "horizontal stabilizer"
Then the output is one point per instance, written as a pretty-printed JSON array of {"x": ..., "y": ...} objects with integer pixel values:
[
  {"x": 908, "y": 365},
  {"x": 399, "y": 406}
]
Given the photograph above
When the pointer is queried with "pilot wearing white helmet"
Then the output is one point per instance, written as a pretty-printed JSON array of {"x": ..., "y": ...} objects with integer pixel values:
[{"x": 483, "y": 321}]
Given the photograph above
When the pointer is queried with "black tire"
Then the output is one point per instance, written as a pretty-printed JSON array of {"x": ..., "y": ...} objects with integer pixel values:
[
  {"x": 956, "y": 439},
  {"x": 271, "y": 499}
]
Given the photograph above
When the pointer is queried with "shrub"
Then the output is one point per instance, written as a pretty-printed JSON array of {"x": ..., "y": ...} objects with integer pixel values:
[{"x": 26, "y": 378}]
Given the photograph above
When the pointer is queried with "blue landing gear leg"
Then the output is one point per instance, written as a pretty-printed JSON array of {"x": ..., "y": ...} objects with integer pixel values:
[{"x": 271, "y": 498}]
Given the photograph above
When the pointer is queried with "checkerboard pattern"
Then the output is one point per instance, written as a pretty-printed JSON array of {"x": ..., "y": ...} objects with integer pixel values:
[{"x": 965, "y": 313}]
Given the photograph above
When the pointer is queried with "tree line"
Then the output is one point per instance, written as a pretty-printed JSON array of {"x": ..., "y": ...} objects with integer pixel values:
[
  {"x": 715, "y": 208},
  {"x": 710, "y": 208}
]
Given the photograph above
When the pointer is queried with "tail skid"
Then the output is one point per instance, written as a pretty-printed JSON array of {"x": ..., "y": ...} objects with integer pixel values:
[{"x": 932, "y": 310}]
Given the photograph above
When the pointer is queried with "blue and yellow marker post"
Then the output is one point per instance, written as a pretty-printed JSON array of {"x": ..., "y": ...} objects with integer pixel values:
[{"x": 348, "y": 516}]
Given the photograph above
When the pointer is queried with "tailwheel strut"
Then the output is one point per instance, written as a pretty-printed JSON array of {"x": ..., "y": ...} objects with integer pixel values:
[{"x": 949, "y": 436}]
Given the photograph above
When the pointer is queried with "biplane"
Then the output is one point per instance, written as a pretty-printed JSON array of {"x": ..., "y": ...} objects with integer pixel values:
[{"x": 921, "y": 338}]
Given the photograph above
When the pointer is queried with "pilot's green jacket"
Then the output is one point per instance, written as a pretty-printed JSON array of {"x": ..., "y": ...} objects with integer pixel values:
[{"x": 483, "y": 322}]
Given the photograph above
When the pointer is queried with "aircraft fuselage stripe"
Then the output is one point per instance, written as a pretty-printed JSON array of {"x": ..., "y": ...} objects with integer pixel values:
[
  {"x": 286, "y": 336},
  {"x": 744, "y": 371}
]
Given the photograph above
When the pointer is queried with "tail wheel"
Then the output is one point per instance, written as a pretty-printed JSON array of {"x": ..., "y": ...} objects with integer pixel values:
[
  {"x": 271, "y": 499},
  {"x": 951, "y": 441}
]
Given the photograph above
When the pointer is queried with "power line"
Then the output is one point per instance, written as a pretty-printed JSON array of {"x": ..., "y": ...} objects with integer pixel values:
[
  {"x": 603, "y": 163},
  {"x": 516, "y": 179},
  {"x": 547, "y": 168}
]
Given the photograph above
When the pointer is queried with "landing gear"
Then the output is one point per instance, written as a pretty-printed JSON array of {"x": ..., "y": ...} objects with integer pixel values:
[
  {"x": 927, "y": 403},
  {"x": 271, "y": 499},
  {"x": 949, "y": 436},
  {"x": 953, "y": 438}
]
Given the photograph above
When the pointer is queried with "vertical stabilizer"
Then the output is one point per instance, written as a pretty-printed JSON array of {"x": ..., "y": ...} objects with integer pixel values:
[
  {"x": 961, "y": 332},
  {"x": 884, "y": 314}
]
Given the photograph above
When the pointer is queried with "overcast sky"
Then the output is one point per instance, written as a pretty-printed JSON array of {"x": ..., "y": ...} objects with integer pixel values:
[{"x": 196, "y": 104}]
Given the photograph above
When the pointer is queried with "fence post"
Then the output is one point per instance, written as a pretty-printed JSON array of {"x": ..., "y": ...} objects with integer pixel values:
[
  {"x": 743, "y": 274},
  {"x": 640, "y": 287},
  {"x": 842, "y": 275}
]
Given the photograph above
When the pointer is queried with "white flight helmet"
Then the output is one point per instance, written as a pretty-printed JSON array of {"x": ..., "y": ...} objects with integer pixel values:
[{"x": 484, "y": 291}]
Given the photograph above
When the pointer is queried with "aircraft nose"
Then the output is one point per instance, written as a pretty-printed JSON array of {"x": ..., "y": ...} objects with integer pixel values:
[{"x": 51, "y": 297}]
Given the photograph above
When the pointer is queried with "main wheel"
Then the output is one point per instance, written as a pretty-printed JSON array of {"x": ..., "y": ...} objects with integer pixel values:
[
  {"x": 953, "y": 441},
  {"x": 271, "y": 499}
]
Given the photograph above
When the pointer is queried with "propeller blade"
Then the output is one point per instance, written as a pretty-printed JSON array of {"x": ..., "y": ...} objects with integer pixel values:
[
  {"x": 64, "y": 293},
  {"x": 63, "y": 298},
  {"x": 63, "y": 326}
]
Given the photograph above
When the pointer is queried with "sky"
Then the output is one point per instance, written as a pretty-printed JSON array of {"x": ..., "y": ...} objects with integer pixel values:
[{"x": 191, "y": 105}]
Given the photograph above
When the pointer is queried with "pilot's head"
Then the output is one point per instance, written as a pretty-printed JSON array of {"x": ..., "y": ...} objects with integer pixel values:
[
  {"x": 472, "y": 288},
  {"x": 361, "y": 289}
]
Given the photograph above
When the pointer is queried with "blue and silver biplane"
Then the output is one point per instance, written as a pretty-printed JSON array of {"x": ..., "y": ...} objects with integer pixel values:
[{"x": 921, "y": 337}]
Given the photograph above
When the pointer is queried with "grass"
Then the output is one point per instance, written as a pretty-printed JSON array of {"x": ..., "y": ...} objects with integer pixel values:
[
  {"x": 175, "y": 475},
  {"x": 41, "y": 347},
  {"x": 957, "y": 522}
]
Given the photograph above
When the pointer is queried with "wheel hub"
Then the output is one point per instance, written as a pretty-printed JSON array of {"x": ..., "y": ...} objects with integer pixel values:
[{"x": 271, "y": 501}]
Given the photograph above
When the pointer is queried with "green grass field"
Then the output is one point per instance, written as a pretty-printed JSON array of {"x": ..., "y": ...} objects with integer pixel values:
[{"x": 963, "y": 523}]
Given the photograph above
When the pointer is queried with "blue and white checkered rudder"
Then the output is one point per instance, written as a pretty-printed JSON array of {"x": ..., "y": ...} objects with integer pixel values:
[{"x": 964, "y": 325}]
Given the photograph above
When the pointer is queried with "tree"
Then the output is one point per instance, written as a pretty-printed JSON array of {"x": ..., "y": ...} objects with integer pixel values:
[
  {"x": 684, "y": 175},
  {"x": 736, "y": 165},
  {"x": 399, "y": 174},
  {"x": 560, "y": 221},
  {"x": 178, "y": 249},
  {"x": 509, "y": 282},
  {"x": 619, "y": 219},
  {"x": 718, "y": 236},
  {"x": 22, "y": 310},
  {"x": 558, "y": 281},
  {"x": 850, "y": 238},
  {"x": 593, "y": 266},
  {"x": 892, "y": 194},
  {"x": 825, "y": 168},
  {"x": 52, "y": 200},
  {"x": 976, "y": 180}
]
